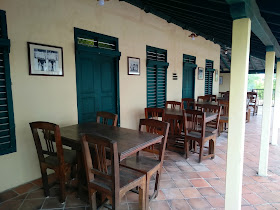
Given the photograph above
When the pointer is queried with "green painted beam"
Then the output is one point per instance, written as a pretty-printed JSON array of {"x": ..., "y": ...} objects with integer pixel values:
[
  {"x": 249, "y": 9},
  {"x": 226, "y": 64}
]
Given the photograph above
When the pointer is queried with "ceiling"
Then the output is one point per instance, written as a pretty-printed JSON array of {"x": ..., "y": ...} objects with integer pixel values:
[{"x": 211, "y": 19}]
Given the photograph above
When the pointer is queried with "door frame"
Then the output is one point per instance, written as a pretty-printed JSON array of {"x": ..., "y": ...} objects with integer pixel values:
[
  {"x": 191, "y": 65},
  {"x": 112, "y": 53}
]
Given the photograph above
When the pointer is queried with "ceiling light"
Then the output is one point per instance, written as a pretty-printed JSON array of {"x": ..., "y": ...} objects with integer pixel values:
[
  {"x": 226, "y": 52},
  {"x": 193, "y": 35},
  {"x": 101, "y": 2}
]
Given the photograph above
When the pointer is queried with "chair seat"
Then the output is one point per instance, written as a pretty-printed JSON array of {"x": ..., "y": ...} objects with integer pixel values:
[
  {"x": 69, "y": 157},
  {"x": 140, "y": 163},
  {"x": 211, "y": 129},
  {"x": 127, "y": 176},
  {"x": 197, "y": 135}
]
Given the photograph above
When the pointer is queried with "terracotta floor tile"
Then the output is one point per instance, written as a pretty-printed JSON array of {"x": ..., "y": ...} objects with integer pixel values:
[
  {"x": 162, "y": 205},
  {"x": 215, "y": 181},
  {"x": 199, "y": 203},
  {"x": 11, "y": 205},
  {"x": 166, "y": 184},
  {"x": 220, "y": 189},
  {"x": 182, "y": 183},
  {"x": 257, "y": 188},
  {"x": 253, "y": 199},
  {"x": 179, "y": 205},
  {"x": 171, "y": 168},
  {"x": 6, "y": 195},
  {"x": 191, "y": 192},
  {"x": 132, "y": 197},
  {"x": 36, "y": 194},
  {"x": 199, "y": 183},
  {"x": 265, "y": 207},
  {"x": 191, "y": 175},
  {"x": 73, "y": 201},
  {"x": 160, "y": 196},
  {"x": 270, "y": 197},
  {"x": 207, "y": 174},
  {"x": 247, "y": 208},
  {"x": 172, "y": 193},
  {"x": 32, "y": 204},
  {"x": 51, "y": 203},
  {"x": 216, "y": 201},
  {"x": 25, "y": 188},
  {"x": 207, "y": 191}
]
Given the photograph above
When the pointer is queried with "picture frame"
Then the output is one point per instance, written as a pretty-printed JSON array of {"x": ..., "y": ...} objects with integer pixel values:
[
  {"x": 45, "y": 60},
  {"x": 220, "y": 80},
  {"x": 216, "y": 75},
  {"x": 200, "y": 73},
  {"x": 133, "y": 66}
]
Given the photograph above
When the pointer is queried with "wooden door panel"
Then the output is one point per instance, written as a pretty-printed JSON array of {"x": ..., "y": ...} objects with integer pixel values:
[{"x": 188, "y": 81}]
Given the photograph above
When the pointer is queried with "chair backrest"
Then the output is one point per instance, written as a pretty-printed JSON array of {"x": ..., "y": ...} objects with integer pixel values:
[
  {"x": 252, "y": 96},
  {"x": 157, "y": 127},
  {"x": 203, "y": 99},
  {"x": 48, "y": 134},
  {"x": 224, "y": 107},
  {"x": 154, "y": 113},
  {"x": 173, "y": 104},
  {"x": 106, "y": 160},
  {"x": 212, "y": 98},
  {"x": 212, "y": 109},
  {"x": 187, "y": 103},
  {"x": 194, "y": 121},
  {"x": 107, "y": 118}
]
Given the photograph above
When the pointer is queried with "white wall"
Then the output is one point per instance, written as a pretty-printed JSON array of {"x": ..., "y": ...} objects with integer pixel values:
[
  {"x": 226, "y": 82},
  {"x": 54, "y": 99}
]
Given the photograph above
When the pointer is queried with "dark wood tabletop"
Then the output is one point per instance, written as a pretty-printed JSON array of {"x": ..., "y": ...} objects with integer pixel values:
[
  {"x": 129, "y": 141},
  {"x": 175, "y": 113},
  {"x": 206, "y": 103}
]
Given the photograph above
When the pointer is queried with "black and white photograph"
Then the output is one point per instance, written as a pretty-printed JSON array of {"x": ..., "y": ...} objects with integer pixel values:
[
  {"x": 200, "y": 73},
  {"x": 45, "y": 60},
  {"x": 133, "y": 66}
]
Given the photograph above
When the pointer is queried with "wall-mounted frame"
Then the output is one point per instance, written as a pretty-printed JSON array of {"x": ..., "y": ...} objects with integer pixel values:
[
  {"x": 133, "y": 66},
  {"x": 45, "y": 60},
  {"x": 216, "y": 75},
  {"x": 200, "y": 73},
  {"x": 220, "y": 80}
]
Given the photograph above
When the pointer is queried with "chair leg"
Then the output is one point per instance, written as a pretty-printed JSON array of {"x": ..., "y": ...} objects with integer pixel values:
[
  {"x": 200, "y": 152},
  {"x": 212, "y": 143},
  {"x": 146, "y": 196},
  {"x": 62, "y": 185},
  {"x": 187, "y": 149},
  {"x": 45, "y": 181},
  {"x": 143, "y": 192},
  {"x": 157, "y": 183},
  {"x": 92, "y": 199}
]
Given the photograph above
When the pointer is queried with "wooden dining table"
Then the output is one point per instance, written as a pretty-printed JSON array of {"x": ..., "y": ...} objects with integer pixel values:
[{"x": 129, "y": 141}]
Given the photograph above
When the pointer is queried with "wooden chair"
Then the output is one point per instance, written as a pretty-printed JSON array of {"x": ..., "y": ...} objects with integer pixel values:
[
  {"x": 224, "y": 114},
  {"x": 173, "y": 104},
  {"x": 203, "y": 98},
  {"x": 107, "y": 118},
  {"x": 147, "y": 165},
  {"x": 111, "y": 181},
  {"x": 212, "y": 98},
  {"x": 248, "y": 112},
  {"x": 54, "y": 157},
  {"x": 187, "y": 103},
  {"x": 154, "y": 113},
  {"x": 195, "y": 131},
  {"x": 253, "y": 97},
  {"x": 212, "y": 126}
]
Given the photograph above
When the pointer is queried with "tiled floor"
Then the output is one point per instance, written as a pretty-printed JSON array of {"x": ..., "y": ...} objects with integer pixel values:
[{"x": 185, "y": 184}]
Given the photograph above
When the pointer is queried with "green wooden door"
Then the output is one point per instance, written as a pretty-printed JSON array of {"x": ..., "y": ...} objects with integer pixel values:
[
  {"x": 96, "y": 85},
  {"x": 188, "y": 80}
]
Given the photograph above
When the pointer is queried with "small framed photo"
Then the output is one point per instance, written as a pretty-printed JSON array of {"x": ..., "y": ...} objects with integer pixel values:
[
  {"x": 200, "y": 73},
  {"x": 216, "y": 75},
  {"x": 45, "y": 60},
  {"x": 133, "y": 65},
  {"x": 220, "y": 80}
]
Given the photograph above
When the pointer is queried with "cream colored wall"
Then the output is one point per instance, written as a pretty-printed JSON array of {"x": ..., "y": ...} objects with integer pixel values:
[
  {"x": 226, "y": 82},
  {"x": 54, "y": 98}
]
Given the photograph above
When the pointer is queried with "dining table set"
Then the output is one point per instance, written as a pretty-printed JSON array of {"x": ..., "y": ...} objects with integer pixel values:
[{"x": 107, "y": 160}]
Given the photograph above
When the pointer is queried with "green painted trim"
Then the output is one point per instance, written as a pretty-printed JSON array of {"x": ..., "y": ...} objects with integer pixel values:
[
  {"x": 190, "y": 64},
  {"x": 5, "y": 45},
  {"x": 238, "y": 10},
  {"x": 116, "y": 54},
  {"x": 269, "y": 49},
  {"x": 277, "y": 59},
  {"x": 222, "y": 58},
  {"x": 155, "y": 63},
  {"x": 212, "y": 70}
]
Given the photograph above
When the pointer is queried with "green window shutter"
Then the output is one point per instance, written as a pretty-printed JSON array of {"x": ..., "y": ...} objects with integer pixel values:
[
  {"x": 7, "y": 125},
  {"x": 156, "y": 77},
  {"x": 209, "y": 77}
]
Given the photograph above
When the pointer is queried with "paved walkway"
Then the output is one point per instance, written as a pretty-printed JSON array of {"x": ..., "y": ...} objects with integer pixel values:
[{"x": 185, "y": 184}]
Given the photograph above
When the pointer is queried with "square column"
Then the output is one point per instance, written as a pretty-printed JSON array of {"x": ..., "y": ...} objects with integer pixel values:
[
  {"x": 276, "y": 113},
  {"x": 241, "y": 33},
  {"x": 266, "y": 115}
]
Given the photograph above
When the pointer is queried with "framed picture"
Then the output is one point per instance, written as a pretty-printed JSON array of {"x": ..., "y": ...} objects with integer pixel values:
[
  {"x": 216, "y": 75},
  {"x": 200, "y": 73},
  {"x": 45, "y": 60},
  {"x": 220, "y": 80},
  {"x": 133, "y": 65}
]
